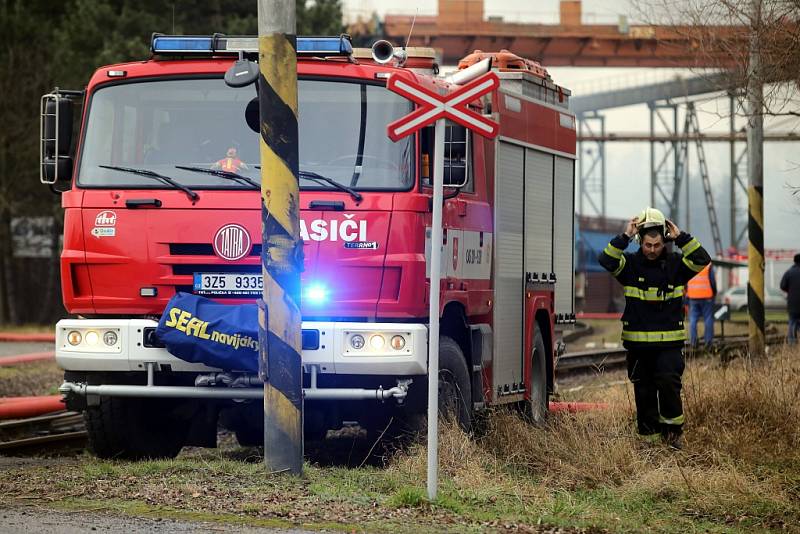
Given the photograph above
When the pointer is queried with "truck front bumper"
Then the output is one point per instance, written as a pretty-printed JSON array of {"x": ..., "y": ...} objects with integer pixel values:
[{"x": 330, "y": 347}]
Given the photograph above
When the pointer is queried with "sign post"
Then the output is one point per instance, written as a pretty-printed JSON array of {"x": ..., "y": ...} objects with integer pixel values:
[{"x": 434, "y": 107}]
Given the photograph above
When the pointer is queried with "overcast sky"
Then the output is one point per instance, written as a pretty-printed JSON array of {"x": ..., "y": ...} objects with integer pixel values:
[{"x": 628, "y": 164}]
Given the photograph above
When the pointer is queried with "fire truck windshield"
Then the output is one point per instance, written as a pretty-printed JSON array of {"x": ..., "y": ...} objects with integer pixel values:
[{"x": 163, "y": 125}]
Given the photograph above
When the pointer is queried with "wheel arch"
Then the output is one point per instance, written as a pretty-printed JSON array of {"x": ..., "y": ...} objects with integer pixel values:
[{"x": 454, "y": 325}]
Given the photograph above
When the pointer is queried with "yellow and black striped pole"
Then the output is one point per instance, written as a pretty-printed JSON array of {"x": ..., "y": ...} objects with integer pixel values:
[
  {"x": 279, "y": 319},
  {"x": 755, "y": 189}
]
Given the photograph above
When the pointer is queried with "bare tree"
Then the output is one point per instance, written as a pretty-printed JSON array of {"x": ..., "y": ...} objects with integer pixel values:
[
  {"x": 757, "y": 44},
  {"x": 721, "y": 31}
]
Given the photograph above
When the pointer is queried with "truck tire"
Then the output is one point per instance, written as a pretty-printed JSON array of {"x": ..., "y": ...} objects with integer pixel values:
[
  {"x": 536, "y": 407},
  {"x": 134, "y": 429},
  {"x": 455, "y": 394},
  {"x": 246, "y": 421}
]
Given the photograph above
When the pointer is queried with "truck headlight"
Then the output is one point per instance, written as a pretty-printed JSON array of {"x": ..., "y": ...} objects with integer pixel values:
[
  {"x": 110, "y": 338},
  {"x": 95, "y": 339},
  {"x": 357, "y": 341},
  {"x": 366, "y": 343},
  {"x": 92, "y": 338},
  {"x": 74, "y": 338},
  {"x": 377, "y": 341},
  {"x": 398, "y": 342}
]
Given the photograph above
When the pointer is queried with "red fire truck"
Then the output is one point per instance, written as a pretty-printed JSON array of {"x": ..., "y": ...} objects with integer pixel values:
[{"x": 161, "y": 195}]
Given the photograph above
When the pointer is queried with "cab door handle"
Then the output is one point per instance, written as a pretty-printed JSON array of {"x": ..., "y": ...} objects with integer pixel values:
[{"x": 142, "y": 202}]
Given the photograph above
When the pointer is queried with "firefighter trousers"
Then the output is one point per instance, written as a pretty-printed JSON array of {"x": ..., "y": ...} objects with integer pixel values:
[{"x": 656, "y": 376}]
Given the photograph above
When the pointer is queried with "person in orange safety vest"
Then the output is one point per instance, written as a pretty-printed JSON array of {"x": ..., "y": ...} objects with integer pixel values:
[
  {"x": 700, "y": 291},
  {"x": 230, "y": 162}
]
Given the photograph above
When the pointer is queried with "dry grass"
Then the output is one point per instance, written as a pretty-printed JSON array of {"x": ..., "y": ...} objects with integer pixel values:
[
  {"x": 740, "y": 467},
  {"x": 35, "y": 378},
  {"x": 747, "y": 408}
]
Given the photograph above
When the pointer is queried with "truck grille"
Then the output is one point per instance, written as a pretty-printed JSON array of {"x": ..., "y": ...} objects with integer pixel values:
[
  {"x": 203, "y": 260},
  {"x": 191, "y": 268},
  {"x": 202, "y": 249}
]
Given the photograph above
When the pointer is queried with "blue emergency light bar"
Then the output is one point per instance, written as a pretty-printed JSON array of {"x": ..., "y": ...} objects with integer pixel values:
[
  {"x": 187, "y": 45},
  {"x": 318, "y": 46}
]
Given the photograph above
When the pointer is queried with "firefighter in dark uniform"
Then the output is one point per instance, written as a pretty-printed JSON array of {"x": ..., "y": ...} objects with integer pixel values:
[{"x": 654, "y": 279}]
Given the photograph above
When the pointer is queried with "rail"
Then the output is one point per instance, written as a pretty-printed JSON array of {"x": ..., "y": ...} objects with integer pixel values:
[
  {"x": 50, "y": 434},
  {"x": 601, "y": 360}
]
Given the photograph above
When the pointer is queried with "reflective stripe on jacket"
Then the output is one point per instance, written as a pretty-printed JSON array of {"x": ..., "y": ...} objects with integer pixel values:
[
  {"x": 699, "y": 287},
  {"x": 654, "y": 290}
]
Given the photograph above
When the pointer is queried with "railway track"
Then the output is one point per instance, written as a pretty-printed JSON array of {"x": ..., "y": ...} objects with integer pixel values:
[
  {"x": 602, "y": 360},
  {"x": 51, "y": 434}
]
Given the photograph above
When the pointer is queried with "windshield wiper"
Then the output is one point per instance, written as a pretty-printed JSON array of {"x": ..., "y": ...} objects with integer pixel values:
[
  {"x": 228, "y": 175},
  {"x": 151, "y": 174},
  {"x": 308, "y": 175}
]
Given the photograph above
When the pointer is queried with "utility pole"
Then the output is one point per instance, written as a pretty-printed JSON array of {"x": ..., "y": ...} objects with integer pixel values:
[
  {"x": 755, "y": 187},
  {"x": 279, "y": 321}
]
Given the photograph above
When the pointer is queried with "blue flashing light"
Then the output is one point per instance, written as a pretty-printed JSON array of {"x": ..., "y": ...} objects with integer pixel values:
[
  {"x": 229, "y": 45},
  {"x": 181, "y": 44},
  {"x": 324, "y": 46},
  {"x": 316, "y": 294}
]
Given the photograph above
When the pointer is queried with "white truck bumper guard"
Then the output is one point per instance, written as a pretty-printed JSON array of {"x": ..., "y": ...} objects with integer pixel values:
[
  {"x": 398, "y": 392},
  {"x": 233, "y": 388}
]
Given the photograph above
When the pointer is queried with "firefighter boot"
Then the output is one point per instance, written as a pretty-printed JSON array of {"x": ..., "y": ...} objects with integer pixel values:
[{"x": 673, "y": 438}]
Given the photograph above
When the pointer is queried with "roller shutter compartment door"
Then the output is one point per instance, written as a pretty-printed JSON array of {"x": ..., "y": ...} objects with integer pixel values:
[
  {"x": 508, "y": 266},
  {"x": 538, "y": 212},
  {"x": 563, "y": 234}
]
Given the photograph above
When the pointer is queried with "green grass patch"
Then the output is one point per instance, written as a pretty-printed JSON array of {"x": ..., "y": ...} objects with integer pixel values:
[
  {"x": 137, "y": 508},
  {"x": 408, "y": 497}
]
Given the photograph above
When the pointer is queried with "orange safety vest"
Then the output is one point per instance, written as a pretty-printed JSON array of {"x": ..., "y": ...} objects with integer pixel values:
[
  {"x": 699, "y": 287},
  {"x": 230, "y": 164}
]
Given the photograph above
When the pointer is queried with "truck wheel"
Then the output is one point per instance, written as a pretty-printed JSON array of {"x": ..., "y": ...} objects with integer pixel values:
[
  {"x": 246, "y": 421},
  {"x": 455, "y": 395},
  {"x": 536, "y": 408},
  {"x": 134, "y": 429}
]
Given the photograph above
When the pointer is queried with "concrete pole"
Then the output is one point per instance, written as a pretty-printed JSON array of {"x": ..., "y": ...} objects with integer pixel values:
[
  {"x": 602, "y": 154},
  {"x": 651, "y": 105},
  {"x": 755, "y": 188},
  {"x": 734, "y": 168},
  {"x": 279, "y": 333},
  {"x": 581, "y": 170},
  {"x": 433, "y": 310}
]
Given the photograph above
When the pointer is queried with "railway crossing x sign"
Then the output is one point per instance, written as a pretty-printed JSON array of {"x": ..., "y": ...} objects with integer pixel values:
[
  {"x": 436, "y": 108},
  {"x": 452, "y": 106}
]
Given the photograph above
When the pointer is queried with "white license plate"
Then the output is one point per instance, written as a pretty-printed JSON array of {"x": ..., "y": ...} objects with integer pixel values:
[{"x": 228, "y": 284}]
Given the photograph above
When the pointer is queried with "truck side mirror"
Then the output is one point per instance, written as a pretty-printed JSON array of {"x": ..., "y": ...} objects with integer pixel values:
[
  {"x": 456, "y": 155},
  {"x": 56, "y": 170},
  {"x": 242, "y": 73},
  {"x": 56, "y": 138},
  {"x": 455, "y": 175},
  {"x": 252, "y": 115}
]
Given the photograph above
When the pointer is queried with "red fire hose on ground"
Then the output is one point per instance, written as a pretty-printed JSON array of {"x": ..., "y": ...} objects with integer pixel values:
[
  {"x": 20, "y": 407},
  {"x": 6, "y": 361},
  {"x": 16, "y": 337}
]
